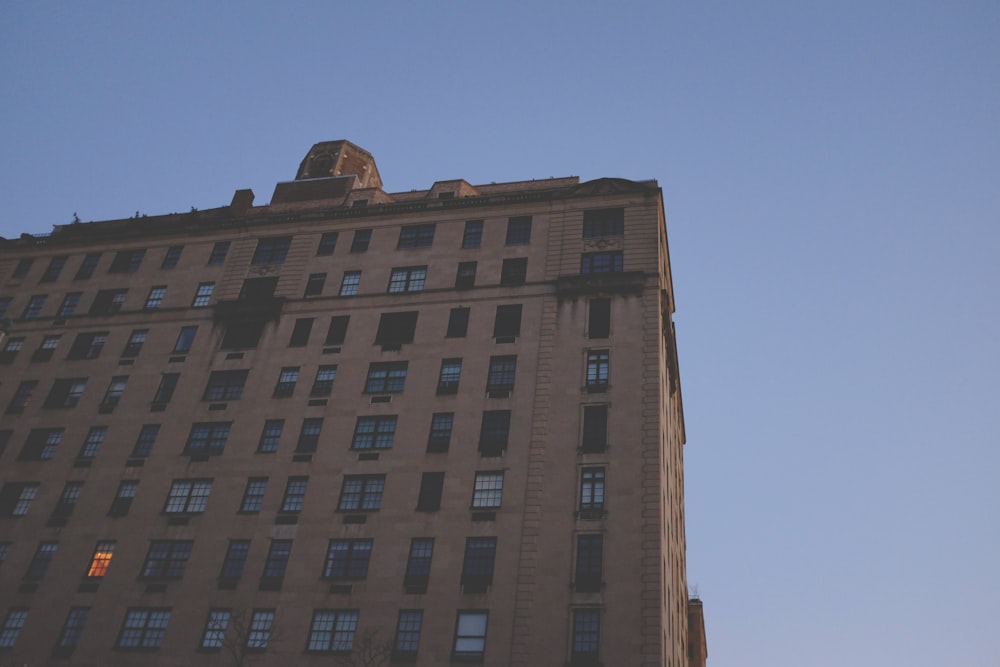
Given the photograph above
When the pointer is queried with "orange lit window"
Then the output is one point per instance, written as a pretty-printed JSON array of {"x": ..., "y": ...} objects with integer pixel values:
[{"x": 101, "y": 559}]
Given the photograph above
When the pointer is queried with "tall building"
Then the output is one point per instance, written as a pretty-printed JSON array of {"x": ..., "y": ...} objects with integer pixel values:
[{"x": 427, "y": 427}]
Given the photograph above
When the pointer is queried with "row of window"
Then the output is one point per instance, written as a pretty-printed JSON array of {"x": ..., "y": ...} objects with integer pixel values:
[
  {"x": 359, "y": 493},
  {"x": 228, "y": 385},
  {"x": 402, "y": 280},
  {"x": 370, "y": 433},
  {"x": 394, "y": 329},
  {"x": 274, "y": 250},
  {"x": 331, "y": 631}
]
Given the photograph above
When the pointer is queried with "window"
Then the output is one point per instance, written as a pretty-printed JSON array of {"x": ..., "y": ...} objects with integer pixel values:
[
  {"x": 219, "y": 252},
  {"x": 487, "y": 492},
  {"x": 470, "y": 635},
  {"x": 277, "y": 559},
  {"x": 188, "y": 496},
  {"x": 332, "y": 631},
  {"x": 225, "y": 385},
  {"x": 258, "y": 289},
  {"x": 155, "y": 298},
  {"x": 69, "y": 304},
  {"x": 172, "y": 256},
  {"x": 235, "y": 560},
  {"x": 323, "y": 384},
  {"x": 315, "y": 283},
  {"x": 207, "y": 438},
  {"x": 295, "y": 494},
  {"x": 88, "y": 345},
  {"x": 507, "y": 323},
  {"x": 165, "y": 390},
  {"x": 494, "y": 432},
  {"x": 22, "y": 268},
  {"x": 144, "y": 442},
  {"x": 272, "y": 250},
  {"x": 602, "y": 222},
  {"x": 4, "y": 305},
  {"x": 465, "y": 277},
  {"x": 347, "y": 559},
  {"x": 34, "y": 307},
  {"x": 514, "y": 271},
  {"x": 166, "y": 559},
  {"x": 458, "y": 323},
  {"x": 253, "y": 495},
  {"x": 327, "y": 244},
  {"x": 359, "y": 203},
  {"x": 12, "y": 626},
  {"x": 92, "y": 443},
  {"x": 123, "y": 498},
  {"x": 108, "y": 301},
  {"x": 215, "y": 629},
  {"x": 431, "y": 487},
  {"x": 395, "y": 329},
  {"x": 519, "y": 230},
  {"x": 100, "y": 561},
  {"x": 71, "y": 632},
  {"x": 361, "y": 493},
  {"x": 4, "y": 439},
  {"x": 185, "y": 339},
  {"x": 203, "y": 295},
  {"x": 41, "y": 444},
  {"x": 473, "y": 236},
  {"x": 500, "y": 379},
  {"x": 4, "y": 550},
  {"x": 407, "y": 641},
  {"x": 300, "y": 333},
  {"x": 440, "y": 435},
  {"x": 601, "y": 262},
  {"x": 88, "y": 266},
  {"x": 589, "y": 563},
  {"x": 374, "y": 432},
  {"x": 309, "y": 435},
  {"x": 270, "y": 436},
  {"x": 22, "y": 395},
  {"x": 451, "y": 373},
  {"x": 418, "y": 564},
  {"x": 599, "y": 318},
  {"x": 135, "y": 342},
  {"x": 68, "y": 499},
  {"x": 337, "y": 331},
  {"x": 362, "y": 237},
  {"x": 113, "y": 394},
  {"x": 477, "y": 568},
  {"x": 46, "y": 349},
  {"x": 287, "y": 379},
  {"x": 407, "y": 279},
  {"x": 416, "y": 236},
  {"x": 592, "y": 490},
  {"x": 16, "y": 498},
  {"x": 595, "y": 428},
  {"x": 10, "y": 350},
  {"x": 260, "y": 629},
  {"x": 54, "y": 268},
  {"x": 386, "y": 377},
  {"x": 586, "y": 636},
  {"x": 40, "y": 562},
  {"x": 350, "y": 283},
  {"x": 597, "y": 370},
  {"x": 143, "y": 629},
  {"x": 127, "y": 261}
]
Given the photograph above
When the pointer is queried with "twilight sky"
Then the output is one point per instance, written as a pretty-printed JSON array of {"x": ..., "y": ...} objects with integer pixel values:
[{"x": 831, "y": 173}]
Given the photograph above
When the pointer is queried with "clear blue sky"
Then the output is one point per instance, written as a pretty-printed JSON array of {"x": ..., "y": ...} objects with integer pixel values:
[{"x": 832, "y": 181}]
